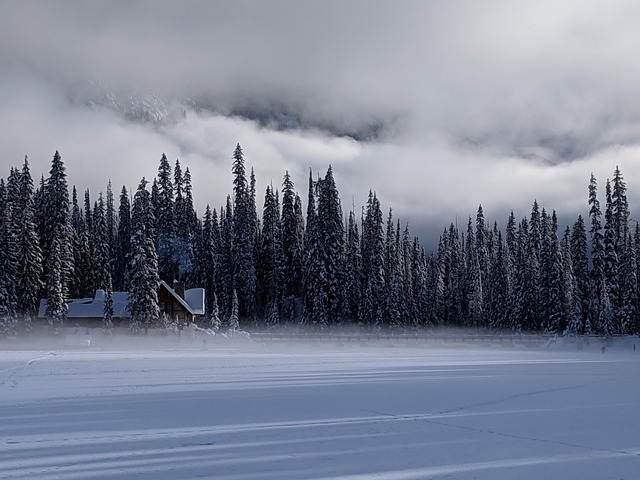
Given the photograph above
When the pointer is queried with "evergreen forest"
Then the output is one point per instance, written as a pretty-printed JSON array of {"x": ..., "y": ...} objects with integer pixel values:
[{"x": 311, "y": 265}]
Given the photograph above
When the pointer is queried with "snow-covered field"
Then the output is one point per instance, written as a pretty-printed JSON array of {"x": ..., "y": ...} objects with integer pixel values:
[{"x": 238, "y": 410}]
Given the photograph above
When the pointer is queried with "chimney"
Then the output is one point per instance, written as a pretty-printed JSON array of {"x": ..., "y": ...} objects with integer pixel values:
[{"x": 178, "y": 287}]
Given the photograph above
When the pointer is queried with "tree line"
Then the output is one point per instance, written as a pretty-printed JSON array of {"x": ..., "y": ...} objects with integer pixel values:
[{"x": 313, "y": 266}]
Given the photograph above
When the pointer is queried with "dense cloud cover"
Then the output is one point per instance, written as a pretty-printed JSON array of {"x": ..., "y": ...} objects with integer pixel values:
[{"x": 438, "y": 106}]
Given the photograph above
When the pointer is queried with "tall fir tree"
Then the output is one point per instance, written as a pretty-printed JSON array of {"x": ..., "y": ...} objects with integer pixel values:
[
  {"x": 611, "y": 259},
  {"x": 410, "y": 304},
  {"x": 165, "y": 222},
  {"x": 101, "y": 249},
  {"x": 580, "y": 264},
  {"x": 207, "y": 265},
  {"x": 143, "y": 294},
  {"x": 58, "y": 248},
  {"x": 553, "y": 317},
  {"x": 597, "y": 253},
  {"x": 314, "y": 293},
  {"x": 571, "y": 301},
  {"x": 499, "y": 286},
  {"x": 122, "y": 249},
  {"x": 292, "y": 247},
  {"x": 244, "y": 234},
  {"x": 372, "y": 309},
  {"x": 331, "y": 231},
  {"x": 81, "y": 284},
  {"x": 112, "y": 226},
  {"x": 186, "y": 225},
  {"x": 9, "y": 257},
  {"x": 29, "y": 268},
  {"x": 270, "y": 260},
  {"x": 353, "y": 271},
  {"x": 56, "y": 311},
  {"x": 474, "y": 287},
  {"x": 226, "y": 273}
]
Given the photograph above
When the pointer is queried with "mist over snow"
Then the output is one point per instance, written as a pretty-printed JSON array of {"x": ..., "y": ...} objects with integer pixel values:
[{"x": 436, "y": 106}]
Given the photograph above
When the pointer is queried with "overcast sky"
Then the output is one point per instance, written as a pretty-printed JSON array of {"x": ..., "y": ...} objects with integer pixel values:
[{"x": 452, "y": 103}]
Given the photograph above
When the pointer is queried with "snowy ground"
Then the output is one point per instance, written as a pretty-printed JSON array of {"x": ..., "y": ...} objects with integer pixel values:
[{"x": 236, "y": 410}]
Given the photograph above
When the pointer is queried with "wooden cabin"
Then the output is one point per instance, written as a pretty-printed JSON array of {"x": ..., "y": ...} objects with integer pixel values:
[{"x": 184, "y": 306}]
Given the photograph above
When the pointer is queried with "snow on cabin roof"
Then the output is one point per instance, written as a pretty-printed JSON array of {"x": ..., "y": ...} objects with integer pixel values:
[
  {"x": 94, "y": 307},
  {"x": 195, "y": 298},
  {"x": 178, "y": 298}
]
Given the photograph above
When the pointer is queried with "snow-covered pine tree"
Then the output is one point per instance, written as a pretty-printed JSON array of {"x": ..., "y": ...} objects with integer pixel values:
[
  {"x": 179, "y": 210},
  {"x": 165, "y": 222},
  {"x": 482, "y": 244},
  {"x": 270, "y": 260},
  {"x": 389, "y": 252},
  {"x": 441, "y": 274},
  {"x": 398, "y": 314},
  {"x": 620, "y": 209},
  {"x": 186, "y": 224},
  {"x": 216, "y": 234},
  {"x": 100, "y": 248},
  {"x": 244, "y": 235},
  {"x": 611, "y": 261},
  {"x": 627, "y": 301},
  {"x": 9, "y": 257},
  {"x": 372, "y": 249},
  {"x": 534, "y": 253},
  {"x": 553, "y": 316},
  {"x": 636, "y": 255},
  {"x": 314, "y": 291},
  {"x": 123, "y": 243},
  {"x": 628, "y": 313},
  {"x": 40, "y": 219},
  {"x": 420, "y": 276},
  {"x": 606, "y": 319},
  {"x": 571, "y": 303},
  {"x": 226, "y": 274},
  {"x": 56, "y": 310},
  {"x": 331, "y": 231},
  {"x": 521, "y": 294},
  {"x": 353, "y": 271},
  {"x": 189, "y": 208},
  {"x": 213, "y": 315},
  {"x": 292, "y": 247},
  {"x": 193, "y": 225},
  {"x": 597, "y": 253},
  {"x": 88, "y": 215},
  {"x": 453, "y": 275},
  {"x": 431, "y": 277},
  {"x": 409, "y": 302},
  {"x": 511, "y": 237},
  {"x": 107, "y": 313},
  {"x": 143, "y": 295},
  {"x": 300, "y": 229},
  {"x": 77, "y": 227},
  {"x": 499, "y": 278},
  {"x": 474, "y": 286},
  {"x": 207, "y": 265},
  {"x": 233, "y": 323},
  {"x": 58, "y": 246},
  {"x": 393, "y": 281},
  {"x": 580, "y": 264},
  {"x": 29, "y": 279},
  {"x": 112, "y": 226}
]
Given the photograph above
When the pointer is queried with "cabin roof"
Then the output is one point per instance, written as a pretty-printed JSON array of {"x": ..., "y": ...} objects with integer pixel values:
[{"x": 94, "y": 307}]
